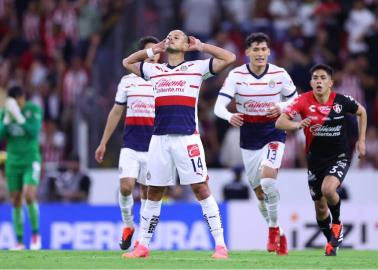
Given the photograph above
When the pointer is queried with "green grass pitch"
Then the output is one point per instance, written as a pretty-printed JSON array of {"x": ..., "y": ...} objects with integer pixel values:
[{"x": 308, "y": 259}]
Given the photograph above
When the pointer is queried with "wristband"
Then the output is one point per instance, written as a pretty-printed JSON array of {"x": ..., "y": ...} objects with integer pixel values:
[
  {"x": 150, "y": 53},
  {"x": 200, "y": 46}
]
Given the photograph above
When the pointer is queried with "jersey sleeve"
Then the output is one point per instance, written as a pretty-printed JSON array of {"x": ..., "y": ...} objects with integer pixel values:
[
  {"x": 294, "y": 108},
  {"x": 147, "y": 70},
  {"x": 205, "y": 67},
  {"x": 288, "y": 87},
  {"x": 121, "y": 95},
  {"x": 351, "y": 105},
  {"x": 229, "y": 86}
]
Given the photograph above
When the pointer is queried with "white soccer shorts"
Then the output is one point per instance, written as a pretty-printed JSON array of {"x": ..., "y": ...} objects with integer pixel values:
[
  {"x": 270, "y": 155},
  {"x": 170, "y": 152},
  {"x": 133, "y": 164}
]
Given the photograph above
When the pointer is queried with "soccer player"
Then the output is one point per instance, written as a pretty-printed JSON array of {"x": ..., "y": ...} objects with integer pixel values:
[
  {"x": 323, "y": 120},
  {"x": 259, "y": 89},
  {"x": 175, "y": 142},
  {"x": 137, "y": 95},
  {"x": 20, "y": 126}
]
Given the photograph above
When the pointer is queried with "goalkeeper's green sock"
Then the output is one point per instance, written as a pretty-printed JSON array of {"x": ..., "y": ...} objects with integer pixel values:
[
  {"x": 18, "y": 223},
  {"x": 33, "y": 211}
]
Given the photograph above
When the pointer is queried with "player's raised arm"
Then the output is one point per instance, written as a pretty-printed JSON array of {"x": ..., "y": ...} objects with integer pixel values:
[
  {"x": 132, "y": 62},
  {"x": 362, "y": 123},
  {"x": 285, "y": 123},
  {"x": 113, "y": 119},
  {"x": 222, "y": 57}
]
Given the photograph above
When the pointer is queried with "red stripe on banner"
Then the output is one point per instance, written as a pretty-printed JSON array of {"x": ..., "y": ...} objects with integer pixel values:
[
  {"x": 140, "y": 121},
  {"x": 149, "y": 85},
  {"x": 238, "y": 83},
  {"x": 262, "y": 95},
  {"x": 279, "y": 83},
  {"x": 275, "y": 72},
  {"x": 140, "y": 96},
  {"x": 175, "y": 100},
  {"x": 193, "y": 86},
  {"x": 177, "y": 74},
  {"x": 257, "y": 119}
]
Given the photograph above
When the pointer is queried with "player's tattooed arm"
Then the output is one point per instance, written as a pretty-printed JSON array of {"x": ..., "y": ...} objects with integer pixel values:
[
  {"x": 285, "y": 123},
  {"x": 362, "y": 123},
  {"x": 222, "y": 57}
]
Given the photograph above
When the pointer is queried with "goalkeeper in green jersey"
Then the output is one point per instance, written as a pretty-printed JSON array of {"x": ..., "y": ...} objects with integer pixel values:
[{"x": 20, "y": 126}]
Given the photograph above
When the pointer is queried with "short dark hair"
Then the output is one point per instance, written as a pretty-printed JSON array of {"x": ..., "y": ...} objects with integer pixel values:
[
  {"x": 145, "y": 40},
  {"x": 15, "y": 92},
  {"x": 324, "y": 67},
  {"x": 257, "y": 37}
]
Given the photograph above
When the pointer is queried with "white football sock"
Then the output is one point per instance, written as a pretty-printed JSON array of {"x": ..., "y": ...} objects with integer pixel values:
[
  {"x": 212, "y": 216},
  {"x": 126, "y": 204},
  {"x": 263, "y": 210},
  {"x": 269, "y": 187},
  {"x": 150, "y": 216}
]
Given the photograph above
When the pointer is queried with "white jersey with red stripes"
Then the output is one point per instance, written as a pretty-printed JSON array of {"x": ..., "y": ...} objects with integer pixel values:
[
  {"x": 138, "y": 95},
  {"x": 254, "y": 95},
  {"x": 176, "y": 90}
]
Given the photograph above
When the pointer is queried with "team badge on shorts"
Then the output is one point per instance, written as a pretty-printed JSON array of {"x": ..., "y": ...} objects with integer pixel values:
[
  {"x": 148, "y": 175},
  {"x": 273, "y": 146},
  {"x": 193, "y": 150},
  {"x": 312, "y": 192}
]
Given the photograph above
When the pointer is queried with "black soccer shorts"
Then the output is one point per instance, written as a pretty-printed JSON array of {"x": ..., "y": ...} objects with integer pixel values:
[{"x": 337, "y": 168}]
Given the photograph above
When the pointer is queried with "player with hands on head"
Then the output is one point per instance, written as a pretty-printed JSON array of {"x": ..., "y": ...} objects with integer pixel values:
[
  {"x": 176, "y": 143},
  {"x": 20, "y": 126}
]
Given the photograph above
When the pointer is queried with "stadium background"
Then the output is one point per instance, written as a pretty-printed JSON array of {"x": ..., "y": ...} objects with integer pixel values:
[{"x": 67, "y": 55}]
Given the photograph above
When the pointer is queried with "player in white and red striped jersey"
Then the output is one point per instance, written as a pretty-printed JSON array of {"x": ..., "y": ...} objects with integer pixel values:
[
  {"x": 176, "y": 143},
  {"x": 137, "y": 96},
  {"x": 259, "y": 89}
]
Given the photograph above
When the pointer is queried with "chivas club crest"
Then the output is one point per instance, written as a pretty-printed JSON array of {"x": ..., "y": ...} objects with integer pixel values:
[
  {"x": 337, "y": 108},
  {"x": 183, "y": 68},
  {"x": 272, "y": 84}
]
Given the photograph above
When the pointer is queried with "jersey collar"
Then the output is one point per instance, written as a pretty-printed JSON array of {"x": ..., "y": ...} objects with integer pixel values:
[
  {"x": 258, "y": 76},
  {"x": 172, "y": 67}
]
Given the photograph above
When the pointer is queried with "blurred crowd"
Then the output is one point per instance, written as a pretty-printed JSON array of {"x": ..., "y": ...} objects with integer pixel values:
[{"x": 67, "y": 55}]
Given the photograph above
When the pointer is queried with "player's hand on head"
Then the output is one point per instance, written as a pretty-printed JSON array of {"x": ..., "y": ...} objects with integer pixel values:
[
  {"x": 100, "y": 152},
  {"x": 361, "y": 148},
  {"x": 161, "y": 46},
  {"x": 273, "y": 111},
  {"x": 304, "y": 123},
  {"x": 194, "y": 44},
  {"x": 236, "y": 120},
  {"x": 14, "y": 111}
]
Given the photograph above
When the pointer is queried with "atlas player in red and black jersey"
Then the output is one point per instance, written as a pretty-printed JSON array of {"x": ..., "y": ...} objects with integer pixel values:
[{"x": 323, "y": 114}]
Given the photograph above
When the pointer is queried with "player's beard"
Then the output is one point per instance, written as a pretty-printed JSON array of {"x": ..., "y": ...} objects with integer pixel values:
[{"x": 173, "y": 51}]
